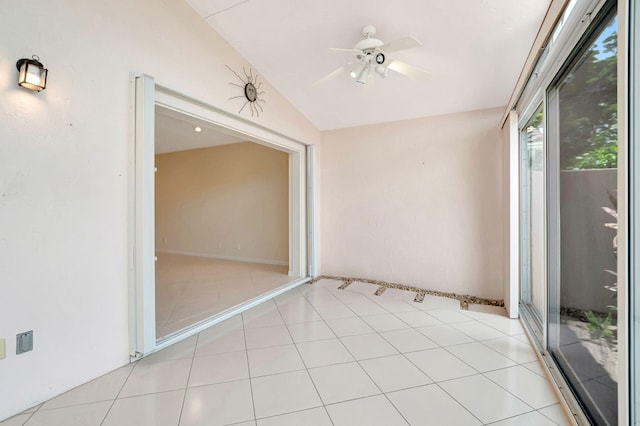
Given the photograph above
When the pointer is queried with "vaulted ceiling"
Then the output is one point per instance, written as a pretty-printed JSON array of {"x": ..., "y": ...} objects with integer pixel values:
[{"x": 473, "y": 51}]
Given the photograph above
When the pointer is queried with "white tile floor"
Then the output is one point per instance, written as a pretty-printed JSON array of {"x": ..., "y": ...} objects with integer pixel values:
[
  {"x": 317, "y": 355},
  {"x": 191, "y": 289}
]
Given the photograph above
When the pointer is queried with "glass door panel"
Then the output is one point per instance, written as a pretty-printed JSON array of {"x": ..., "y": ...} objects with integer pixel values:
[
  {"x": 583, "y": 228},
  {"x": 532, "y": 208}
]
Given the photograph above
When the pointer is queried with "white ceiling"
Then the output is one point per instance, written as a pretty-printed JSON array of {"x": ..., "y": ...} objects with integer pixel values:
[
  {"x": 473, "y": 49},
  {"x": 176, "y": 132}
]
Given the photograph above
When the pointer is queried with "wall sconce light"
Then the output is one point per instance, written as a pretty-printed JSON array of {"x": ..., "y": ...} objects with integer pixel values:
[{"x": 33, "y": 75}]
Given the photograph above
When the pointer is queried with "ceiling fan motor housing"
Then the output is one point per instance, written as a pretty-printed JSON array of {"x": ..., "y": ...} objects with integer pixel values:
[
  {"x": 368, "y": 44},
  {"x": 370, "y": 47}
]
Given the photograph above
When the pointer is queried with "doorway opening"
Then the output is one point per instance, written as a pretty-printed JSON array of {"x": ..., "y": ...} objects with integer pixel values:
[
  {"x": 219, "y": 216},
  {"x": 221, "y": 220}
]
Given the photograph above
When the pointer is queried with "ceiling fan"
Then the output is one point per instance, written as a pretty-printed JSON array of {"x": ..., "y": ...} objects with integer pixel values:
[{"x": 371, "y": 57}]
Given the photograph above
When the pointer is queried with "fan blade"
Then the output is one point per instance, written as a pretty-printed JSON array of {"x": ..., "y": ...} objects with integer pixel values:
[
  {"x": 331, "y": 75},
  {"x": 401, "y": 44},
  {"x": 338, "y": 49},
  {"x": 408, "y": 70}
]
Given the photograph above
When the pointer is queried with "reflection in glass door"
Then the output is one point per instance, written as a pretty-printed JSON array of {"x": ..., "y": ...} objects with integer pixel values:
[
  {"x": 532, "y": 210},
  {"x": 583, "y": 224}
]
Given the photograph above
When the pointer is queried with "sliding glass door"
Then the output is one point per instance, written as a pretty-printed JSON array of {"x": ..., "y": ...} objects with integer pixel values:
[
  {"x": 532, "y": 223},
  {"x": 633, "y": 218},
  {"x": 582, "y": 231}
]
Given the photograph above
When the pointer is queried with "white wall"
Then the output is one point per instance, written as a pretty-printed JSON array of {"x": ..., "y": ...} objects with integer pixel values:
[
  {"x": 63, "y": 173},
  {"x": 510, "y": 165},
  {"x": 229, "y": 201},
  {"x": 417, "y": 202}
]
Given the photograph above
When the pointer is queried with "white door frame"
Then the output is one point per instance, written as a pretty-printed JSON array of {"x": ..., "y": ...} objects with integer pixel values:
[{"x": 148, "y": 95}]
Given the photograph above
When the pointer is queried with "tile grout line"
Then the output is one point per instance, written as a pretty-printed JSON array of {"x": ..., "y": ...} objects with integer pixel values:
[
  {"x": 549, "y": 418},
  {"x": 552, "y": 420},
  {"x": 437, "y": 383},
  {"x": 128, "y": 397},
  {"x": 284, "y": 414},
  {"x": 439, "y": 347},
  {"x": 304, "y": 364},
  {"x": 474, "y": 340},
  {"x": 246, "y": 354},
  {"x": 514, "y": 417},
  {"x": 508, "y": 391},
  {"x": 458, "y": 402},
  {"x": 472, "y": 367},
  {"x": 487, "y": 371},
  {"x": 135, "y": 364},
  {"x": 433, "y": 382},
  {"x": 184, "y": 397},
  {"x": 341, "y": 304},
  {"x": 37, "y": 408},
  {"x": 371, "y": 378},
  {"x": 504, "y": 355},
  {"x": 482, "y": 374},
  {"x": 382, "y": 392},
  {"x": 28, "y": 418}
]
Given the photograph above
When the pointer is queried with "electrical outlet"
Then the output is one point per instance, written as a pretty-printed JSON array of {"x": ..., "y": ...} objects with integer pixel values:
[
  {"x": 24, "y": 342},
  {"x": 3, "y": 348}
]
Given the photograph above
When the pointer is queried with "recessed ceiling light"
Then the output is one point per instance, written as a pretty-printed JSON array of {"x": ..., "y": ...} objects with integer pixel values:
[{"x": 197, "y": 129}]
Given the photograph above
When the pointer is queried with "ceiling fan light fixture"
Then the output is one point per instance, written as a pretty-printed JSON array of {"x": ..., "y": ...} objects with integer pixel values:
[
  {"x": 363, "y": 76},
  {"x": 371, "y": 55},
  {"x": 382, "y": 71},
  {"x": 356, "y": 71}
]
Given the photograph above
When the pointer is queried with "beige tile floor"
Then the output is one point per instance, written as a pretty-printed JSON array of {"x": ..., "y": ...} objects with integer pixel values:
[
  {"x": 317, "y": 355},
  {"x": 190, "y": 289}
]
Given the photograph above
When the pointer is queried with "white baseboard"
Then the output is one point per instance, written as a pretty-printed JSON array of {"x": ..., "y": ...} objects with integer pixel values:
[{"x": 237, "y": 259}]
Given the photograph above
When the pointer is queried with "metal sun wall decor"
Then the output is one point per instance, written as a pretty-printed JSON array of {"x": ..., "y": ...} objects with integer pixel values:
[{"x": 251, "y": 89}]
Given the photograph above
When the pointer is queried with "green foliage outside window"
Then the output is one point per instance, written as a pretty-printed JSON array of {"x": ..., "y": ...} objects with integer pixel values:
[{"x": 588, "y": 105}]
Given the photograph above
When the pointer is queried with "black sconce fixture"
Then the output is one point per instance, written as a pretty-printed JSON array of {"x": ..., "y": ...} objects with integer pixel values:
[{"x": 33, "y": 75}]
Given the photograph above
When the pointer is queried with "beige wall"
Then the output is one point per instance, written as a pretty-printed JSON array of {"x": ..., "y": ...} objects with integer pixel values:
[
  {"x": 418, "y": 202},
  {"x": 227, "y": 201}
]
